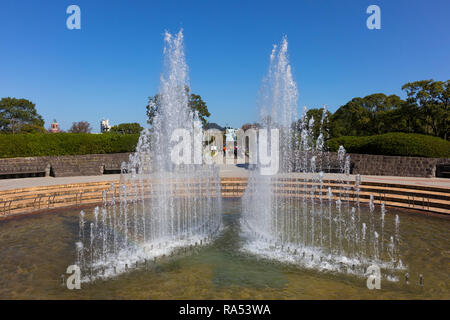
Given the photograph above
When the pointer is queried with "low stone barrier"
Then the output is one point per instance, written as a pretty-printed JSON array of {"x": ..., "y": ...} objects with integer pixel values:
[
  {"x": 98, "y": 164},
  {"x": 378, "y": 165},
  {"x": 375, "y": 165},
  {"x": 62, "y": 166}
]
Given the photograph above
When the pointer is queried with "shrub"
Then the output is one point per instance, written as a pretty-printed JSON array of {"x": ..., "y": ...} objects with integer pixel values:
[
  {"x": 394, "y": 144},
  {"x": 58, "y": 144}
]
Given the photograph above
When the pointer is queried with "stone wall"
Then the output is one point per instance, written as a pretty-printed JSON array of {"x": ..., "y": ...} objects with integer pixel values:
[
  {"x": 98, "y": 164},
  {"x": 366, "y": 164},
  {"x": 62, "y": 166},
  {"x": 376, "y": 165}
]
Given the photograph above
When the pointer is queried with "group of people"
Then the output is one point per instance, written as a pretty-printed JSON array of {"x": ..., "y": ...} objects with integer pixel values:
[{"x": 225, "y": 150}]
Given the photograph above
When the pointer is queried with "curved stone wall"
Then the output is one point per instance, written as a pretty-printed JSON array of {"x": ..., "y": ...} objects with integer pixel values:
[{"x": 98, "y": 164}]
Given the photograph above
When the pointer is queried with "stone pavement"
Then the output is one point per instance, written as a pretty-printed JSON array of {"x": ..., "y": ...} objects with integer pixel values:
[
  {"x": 8, "y": 184},
  {"x": 239, "y": 171},
  {"x": 225, "y": 171}
]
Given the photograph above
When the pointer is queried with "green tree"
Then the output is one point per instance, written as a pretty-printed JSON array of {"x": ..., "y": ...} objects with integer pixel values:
[
  {"x": 406, "y": 119},
  {"x": 19, "y": 116},
  {"x": 351, "y": 119},
  {"x": 32, "y": 128},
  {"x": 431, "y": 98},
  {"x": 373, "y": 114},
  {"x": 127, "y": 128},
  {"x": 195, "y": 103},
  {"x": 320, "y": 126}
]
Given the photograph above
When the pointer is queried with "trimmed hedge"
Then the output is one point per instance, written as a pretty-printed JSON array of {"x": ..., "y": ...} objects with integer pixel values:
[
  {"x": 394, "y": 144},
  {"x": 59, "y": 144}
]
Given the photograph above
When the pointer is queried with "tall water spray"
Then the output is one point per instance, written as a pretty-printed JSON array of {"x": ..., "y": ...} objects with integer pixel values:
[
  {"x": 278, "y": 105},
  {"x": 161, "y": 204},
  {"x": 309, "y": 213},
  {"x": 278, "y": 102}
]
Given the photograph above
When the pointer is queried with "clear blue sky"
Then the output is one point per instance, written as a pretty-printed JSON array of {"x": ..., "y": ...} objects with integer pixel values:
[{"x": 109, "y": 67}]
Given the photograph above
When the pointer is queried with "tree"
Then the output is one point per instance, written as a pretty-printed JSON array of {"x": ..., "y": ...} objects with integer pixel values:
[
  {"x": 32, "y": 128},
  {"x": 351, "y": 119},
  {"x": 383, "y": 110},
  {"x": 370, "y": 115},
  {"x": 320, "y": 126},
  {"x": 127, "y": 128},
  {"x": 195, "y": 103},
  {"x": 19, "y": 116},
  {"x": 247, "y": 126},
  {"x": 80, "y": 127},
  {"x": 431, "y": 98},
  {"x": 152, "y": 107}
]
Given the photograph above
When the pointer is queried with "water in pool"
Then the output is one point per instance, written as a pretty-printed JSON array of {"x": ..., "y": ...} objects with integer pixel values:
[{"x": 35, "y": 252}]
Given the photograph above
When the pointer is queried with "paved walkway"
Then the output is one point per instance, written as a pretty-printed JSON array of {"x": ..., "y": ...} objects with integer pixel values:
[
  {"x": 8, "y": 184},
  {"x": 225, "y": 171},
  {"x": 240, "y": 171}
]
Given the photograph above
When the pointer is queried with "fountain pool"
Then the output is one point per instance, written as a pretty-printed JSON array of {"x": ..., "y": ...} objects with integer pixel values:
[
  {"x": 167, "y": 234},
  {"x": 35, "y": 252}
]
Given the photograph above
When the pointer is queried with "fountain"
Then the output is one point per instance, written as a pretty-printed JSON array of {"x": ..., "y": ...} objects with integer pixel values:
[
  {"x": 311, "y": 231},
  {"x": 297, "y": 208},
  {"x": 160, "y": 205},
  {"x": 301, "y": 215}
]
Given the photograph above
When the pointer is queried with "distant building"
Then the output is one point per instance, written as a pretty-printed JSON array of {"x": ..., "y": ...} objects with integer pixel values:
[
  {"x": 104, "y": 126},
  {"x": 212, "y": 125},
  {"x": 54, "y": 127}
]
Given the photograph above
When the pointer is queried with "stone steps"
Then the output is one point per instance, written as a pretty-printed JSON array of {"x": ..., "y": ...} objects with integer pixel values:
[{"x": 427, "y": 199}]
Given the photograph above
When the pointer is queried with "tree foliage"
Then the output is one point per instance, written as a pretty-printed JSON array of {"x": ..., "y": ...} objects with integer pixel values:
[
  {"x": 425, "y": 111},
  {"x": 430, "y": 100},
  {"x": 19, "y": 116},
  {"x": 320, "y": 124},
  {"x": 195, "y": 103},
  {"x": 80, "y": 127},
  {"x": 373, "y": 114},
  {"x": 127, "y": 128}
]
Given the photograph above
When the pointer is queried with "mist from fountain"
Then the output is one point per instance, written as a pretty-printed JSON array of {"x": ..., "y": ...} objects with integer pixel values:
[
  {"x": 309, "y": 219},
  {"x": 160, "y": 207}
]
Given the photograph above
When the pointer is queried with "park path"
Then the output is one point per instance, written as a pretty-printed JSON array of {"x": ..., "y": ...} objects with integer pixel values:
[{"x": 226, "y": 171}]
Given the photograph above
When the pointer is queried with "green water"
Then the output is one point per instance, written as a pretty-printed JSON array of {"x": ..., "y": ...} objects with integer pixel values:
[{"x": 35, "y": 252}]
